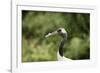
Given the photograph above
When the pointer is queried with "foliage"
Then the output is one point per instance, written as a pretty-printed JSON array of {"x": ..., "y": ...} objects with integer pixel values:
[{"x": 36, "y": 24}]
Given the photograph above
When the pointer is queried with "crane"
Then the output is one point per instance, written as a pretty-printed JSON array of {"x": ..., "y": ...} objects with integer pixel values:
[{"x": 61, "y": 32}]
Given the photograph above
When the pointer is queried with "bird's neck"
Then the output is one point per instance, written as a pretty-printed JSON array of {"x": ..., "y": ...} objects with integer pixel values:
[{"x": 61, "y": 50}]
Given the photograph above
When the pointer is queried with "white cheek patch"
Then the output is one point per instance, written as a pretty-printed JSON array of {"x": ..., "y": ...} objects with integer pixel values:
[{"x": 63, "y": 30}]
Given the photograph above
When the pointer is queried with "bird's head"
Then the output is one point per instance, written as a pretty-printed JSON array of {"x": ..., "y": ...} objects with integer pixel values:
[{"x": 61, "y": 31}]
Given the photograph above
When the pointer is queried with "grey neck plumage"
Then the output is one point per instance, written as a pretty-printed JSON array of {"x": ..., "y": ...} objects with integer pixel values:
[{"x": 61, "y": 50}]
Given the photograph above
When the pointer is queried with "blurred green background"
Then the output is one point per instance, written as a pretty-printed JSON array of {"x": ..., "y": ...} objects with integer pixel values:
[{"x": 36, "y": 24}]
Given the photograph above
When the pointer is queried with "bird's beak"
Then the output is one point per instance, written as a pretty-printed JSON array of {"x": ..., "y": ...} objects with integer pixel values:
[{"x": 50, "y": 34}]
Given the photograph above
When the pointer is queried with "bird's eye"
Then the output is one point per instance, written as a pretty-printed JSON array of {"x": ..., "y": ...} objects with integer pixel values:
[{"x": 59, "y": 30}]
